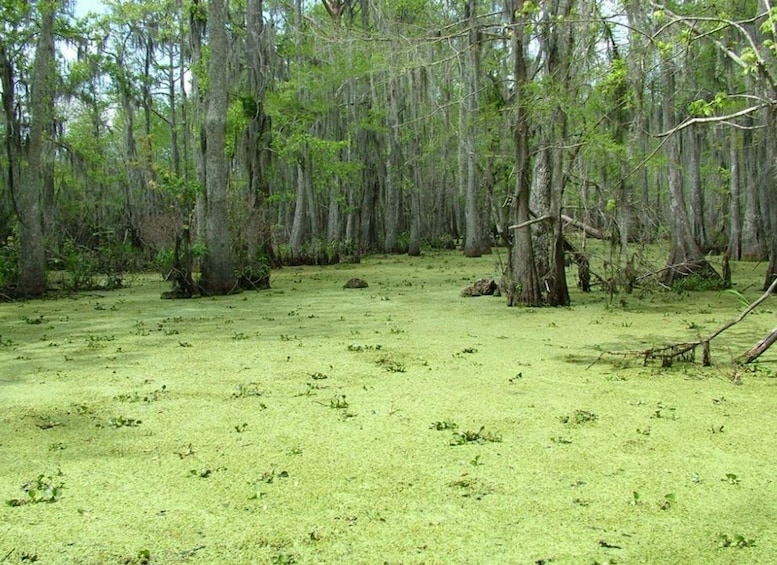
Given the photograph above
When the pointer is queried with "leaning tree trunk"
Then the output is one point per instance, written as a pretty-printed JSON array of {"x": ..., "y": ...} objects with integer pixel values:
[
  {"x": 218, "y": 275},
  {"x": 29, "y": 203}
]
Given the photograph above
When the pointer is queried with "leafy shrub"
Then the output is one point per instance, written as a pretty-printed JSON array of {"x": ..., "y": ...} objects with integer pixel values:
[
  {"x": 9, "y": 263},
  {"x": 81, "y": 266}
]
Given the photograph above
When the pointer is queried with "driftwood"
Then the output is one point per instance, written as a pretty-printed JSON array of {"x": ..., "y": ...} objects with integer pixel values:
[{"x": 687, "y": 351}]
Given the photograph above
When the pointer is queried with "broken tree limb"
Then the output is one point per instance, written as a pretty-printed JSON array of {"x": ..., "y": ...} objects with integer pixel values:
[
  {"x": 590, "y": 231},
  {"x": 527, "y": 223},
  {"x": 760, "y": 347},
  {"x": 686, "y": 351}
]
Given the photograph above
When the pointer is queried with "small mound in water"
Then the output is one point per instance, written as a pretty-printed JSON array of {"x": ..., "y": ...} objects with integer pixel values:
[
  {"x": 481, "y": 287},
  {"x": 356, "y": 283}
]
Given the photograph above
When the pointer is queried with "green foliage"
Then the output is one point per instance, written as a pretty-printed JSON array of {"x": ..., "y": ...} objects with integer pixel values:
[
  {"x": 142, "y": 557},
  {"x": 706, "y": 108},
  {"x": 339, "y": 402},
  {"x": 481, "y": 436},
  {"x": 9, "y": 263},
  {"x": 696, "y": 282},
  {"x": 444, "y": 425},
  {"x": 579, "y": 417},
  {"x": 737, "y": 541},
  {"x": 43, "y": 489},
  {"x": 103, "y": 266},
  {"x": 122, "y": 422},
  {"x": 246, "y": 390},
  {"x": 81, "y": 266}
]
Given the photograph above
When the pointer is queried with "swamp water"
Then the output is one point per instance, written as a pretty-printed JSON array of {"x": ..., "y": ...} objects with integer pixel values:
[{"x": 398, "y": 423}]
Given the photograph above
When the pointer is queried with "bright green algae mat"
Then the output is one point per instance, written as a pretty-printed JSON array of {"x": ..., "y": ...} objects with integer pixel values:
[{"x": 394, "y": 424}]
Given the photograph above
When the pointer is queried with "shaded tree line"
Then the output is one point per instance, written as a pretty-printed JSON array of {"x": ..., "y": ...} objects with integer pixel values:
[{"x": 230, "y": 136}]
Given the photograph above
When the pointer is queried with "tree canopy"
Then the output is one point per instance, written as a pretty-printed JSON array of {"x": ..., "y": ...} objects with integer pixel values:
[{"x": 245, "y": 134}]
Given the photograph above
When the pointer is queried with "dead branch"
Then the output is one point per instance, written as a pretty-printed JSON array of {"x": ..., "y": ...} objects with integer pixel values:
[
  {"x": 686, "y": 351},
  {"x": 764, "y": 344},
  {"x": 589, "y": 230},
  {"x": 527, "y": 223}
]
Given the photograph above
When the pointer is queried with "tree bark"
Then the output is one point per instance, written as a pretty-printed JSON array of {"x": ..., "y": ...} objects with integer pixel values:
[
  {"x": 297, "y": 226},
  {"x": 218, "y": 275},
  {"x": 753, "y": 236},
  {"x": 259, "y": 131},
  {"x": 697, "y": 200},
  {"x": 474, "y": 241},
  {"x": 769, "y": 197},
  {"x": 523, "y": 285},
  {"x": 685, "y": 252},
  {"x": 734, "y": 205},
  {"x": 759, "y": 348},
  {"x": 29, "y": 196},
  {"x": 393, "y": 169}
]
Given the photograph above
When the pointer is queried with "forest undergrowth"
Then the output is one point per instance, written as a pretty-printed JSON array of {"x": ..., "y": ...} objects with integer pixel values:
[{"x": 398, "y": 423}]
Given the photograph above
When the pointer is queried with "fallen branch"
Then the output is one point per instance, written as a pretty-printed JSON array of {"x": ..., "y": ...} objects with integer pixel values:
[
  {"x": 686, "y": 351},
  {"x": 760, "y": 347}
]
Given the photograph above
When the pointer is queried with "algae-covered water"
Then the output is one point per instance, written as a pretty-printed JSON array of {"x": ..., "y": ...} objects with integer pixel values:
[{"x": 398, "y": 423}]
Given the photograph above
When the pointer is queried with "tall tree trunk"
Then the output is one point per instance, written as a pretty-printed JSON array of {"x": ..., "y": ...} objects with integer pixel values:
[
  {"x": 197, "y": 25},
  {"x": 685, "y": 257},
  {"x": 475, "y": 243},
  {"x": 753, "y": 240},
  {"x": 393, "y": 169},
  {"x": 734, "y": 205},
  {"x": 29, "y": 196},
  {"x": 333, "y": 228},
  {"x": 770, "y": 196},
  {"x": 218, "y": 275},
  {"x": 698, "y": 227},
  {"x": 258, "y": 132},
  {"x": 549, "y": 179},
  {"x": 523, "y": 285},
  {"x": 539, "y": 201},
  {"x": 12, "y": 139},
  {"x": 298, "y": 224}
]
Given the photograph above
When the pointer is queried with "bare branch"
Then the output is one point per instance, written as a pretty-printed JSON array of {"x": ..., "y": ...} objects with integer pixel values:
[
  {"x": 712, "y": 119},
  {"x": 527, "y": 223}
]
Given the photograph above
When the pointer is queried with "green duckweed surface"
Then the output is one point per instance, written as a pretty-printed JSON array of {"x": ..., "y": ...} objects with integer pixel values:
[{"x": 394, "y": 424}]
